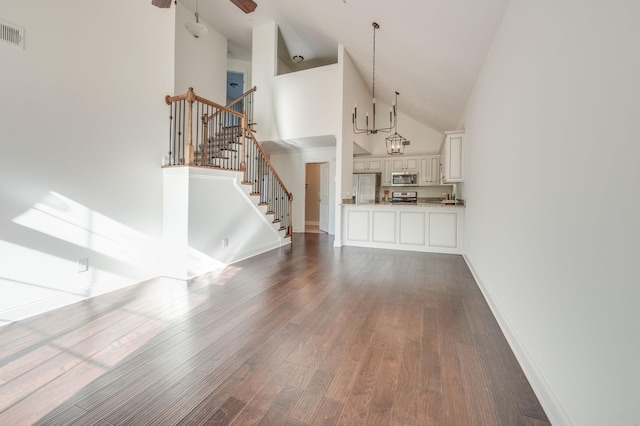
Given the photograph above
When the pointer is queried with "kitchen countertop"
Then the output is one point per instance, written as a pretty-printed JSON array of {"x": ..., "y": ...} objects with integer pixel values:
[
  {"x": 419, "y": 204},
  {"x": 422, "y": 202}
]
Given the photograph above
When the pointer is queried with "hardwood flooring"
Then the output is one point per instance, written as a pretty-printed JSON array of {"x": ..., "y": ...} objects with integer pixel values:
[{"x": 302, "y": 335}]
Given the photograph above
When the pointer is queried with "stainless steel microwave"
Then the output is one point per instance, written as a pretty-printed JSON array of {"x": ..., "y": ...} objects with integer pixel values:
[{"x": 404, "y": 179}]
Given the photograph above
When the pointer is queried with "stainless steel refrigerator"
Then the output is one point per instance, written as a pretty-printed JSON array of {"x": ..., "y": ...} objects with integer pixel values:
[{"x": 366, "y": 187}]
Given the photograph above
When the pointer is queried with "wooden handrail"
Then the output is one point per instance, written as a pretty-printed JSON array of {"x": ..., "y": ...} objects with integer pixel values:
[
  {"x": 251, "y": 160},
  {"x": 191, "y": 96},
  {"x": 266, "y": 159},
  {"x": 241, "y": 97}
]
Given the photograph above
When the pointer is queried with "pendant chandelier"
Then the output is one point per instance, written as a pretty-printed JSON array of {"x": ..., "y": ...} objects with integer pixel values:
[
  {"x": 196, "y": 29},
  {"x": 392, "y": 114},
  {"x": 395, "y": 142}
]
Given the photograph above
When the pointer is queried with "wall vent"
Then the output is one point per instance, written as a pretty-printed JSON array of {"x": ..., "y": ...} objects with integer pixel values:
[{"x": 11, "y": 35}]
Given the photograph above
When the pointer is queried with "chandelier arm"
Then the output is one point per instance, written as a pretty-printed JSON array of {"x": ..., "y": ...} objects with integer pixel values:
[{"x": 392, "y": 114}]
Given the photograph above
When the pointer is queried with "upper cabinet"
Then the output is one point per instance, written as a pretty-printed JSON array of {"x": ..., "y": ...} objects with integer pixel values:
[
  {"x": 386, "y": 172},
  {"x": 429, "y": 169},
  {"x": 368, "y": 165},
  {"x": 404, "y": 164},
  {"x": 452, "y": 157}
]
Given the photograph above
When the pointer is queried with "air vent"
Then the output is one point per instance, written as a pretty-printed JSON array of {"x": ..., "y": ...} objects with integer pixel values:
[{"x": 11, "y": 35}]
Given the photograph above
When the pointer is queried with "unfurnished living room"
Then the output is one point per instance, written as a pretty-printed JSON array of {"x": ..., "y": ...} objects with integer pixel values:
[{"x": 465, "y": 167}]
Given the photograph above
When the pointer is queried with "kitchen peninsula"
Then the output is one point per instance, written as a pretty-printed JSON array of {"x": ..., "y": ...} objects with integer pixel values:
[
  {"x": 413, "y": 222},
  {"x": 425, "y": 226}
]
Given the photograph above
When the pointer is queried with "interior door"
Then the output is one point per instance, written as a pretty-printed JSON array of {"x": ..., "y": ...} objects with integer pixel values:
[{"x": 324, "y": 197}]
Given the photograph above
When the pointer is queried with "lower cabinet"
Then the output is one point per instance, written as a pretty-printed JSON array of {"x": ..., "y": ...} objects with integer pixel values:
[{"x": 418, "y": 228}]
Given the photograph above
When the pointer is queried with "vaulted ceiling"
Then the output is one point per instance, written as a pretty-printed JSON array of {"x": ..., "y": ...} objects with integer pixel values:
[{"x": 431, "y": 51}]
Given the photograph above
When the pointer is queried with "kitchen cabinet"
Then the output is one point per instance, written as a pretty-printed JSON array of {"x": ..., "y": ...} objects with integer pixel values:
[
  {"x": 404, "y": 164},
  {"x": 386, "y": 173},
  {"x": 435, "y": 229},
  {"x": 367, "y": 165},
  {"x": 429, "y": 170},
  {"x": 452, "y": 157}
]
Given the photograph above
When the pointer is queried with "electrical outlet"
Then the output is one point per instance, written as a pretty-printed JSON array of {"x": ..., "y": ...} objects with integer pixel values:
[
  {"x": 83, "y": 264},
  {"x": 225, "y": 242}
]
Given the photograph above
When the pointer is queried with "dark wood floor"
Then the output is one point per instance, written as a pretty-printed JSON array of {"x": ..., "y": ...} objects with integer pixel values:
[{"x": 302, "y": 335}]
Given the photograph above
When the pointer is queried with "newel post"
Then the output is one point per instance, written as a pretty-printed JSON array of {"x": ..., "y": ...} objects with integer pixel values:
[
  {"x": 243, "y": 149},
  {"x": 189, "y": 149}
]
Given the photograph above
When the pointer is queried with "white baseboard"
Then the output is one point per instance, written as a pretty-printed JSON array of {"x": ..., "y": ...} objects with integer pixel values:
[
  {"x": 549, "y": 401},
  {"x": 69, "y": 297}
]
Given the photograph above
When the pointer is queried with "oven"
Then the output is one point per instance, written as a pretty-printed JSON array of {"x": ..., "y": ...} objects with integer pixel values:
[{"x": 410, "y": 197}]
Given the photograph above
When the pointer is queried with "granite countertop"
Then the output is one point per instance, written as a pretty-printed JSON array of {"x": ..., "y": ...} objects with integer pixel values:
[{"x": 422, "y": 202}]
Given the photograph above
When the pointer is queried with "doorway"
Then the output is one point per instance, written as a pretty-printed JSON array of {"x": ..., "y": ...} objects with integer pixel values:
[
  {"x": 316, "y": 201},
  {"x": 235, "y": 88}
]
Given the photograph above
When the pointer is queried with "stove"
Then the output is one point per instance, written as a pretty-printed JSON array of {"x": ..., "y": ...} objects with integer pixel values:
[{"x": 410, "y": 197}]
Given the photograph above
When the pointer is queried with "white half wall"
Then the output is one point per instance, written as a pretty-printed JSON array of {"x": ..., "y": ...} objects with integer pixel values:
[
  {"x": 210, "y": 221},
  {"x": 297, "y": 105},
  {"x": 556, "y": 106},
  {"x": 84, "y": 127}
]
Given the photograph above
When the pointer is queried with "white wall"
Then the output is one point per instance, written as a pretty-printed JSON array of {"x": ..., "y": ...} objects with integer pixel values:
[
  {"x": 424, "y": 140},
  {"x": 354, "y": 91},
  {"x": 296, "y": 105},
  {"x": 244, "y": 67},
  {"x": 84, "y": 126},
  {"x": 306, "y": 103},
  {"x": 291, "y": 169},
  {"x": 200, "y": 63},
  {"x": 263, "y": 69},
  {"x": 556, "y": 106},
  {"x": 196, "y": 223}
]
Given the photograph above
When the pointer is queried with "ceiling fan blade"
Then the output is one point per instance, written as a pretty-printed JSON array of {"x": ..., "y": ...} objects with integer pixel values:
[
  {"x": 162, "y": 3},
  {"x": 247, "y": 6}
]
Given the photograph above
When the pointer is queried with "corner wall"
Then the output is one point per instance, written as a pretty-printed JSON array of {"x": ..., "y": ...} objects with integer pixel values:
[
  {"x": 200, "y": 63},
  {"x": 84, "y": 128},
  {"x": 291, "y": 169},
  {"x": 556, "y": 106}
]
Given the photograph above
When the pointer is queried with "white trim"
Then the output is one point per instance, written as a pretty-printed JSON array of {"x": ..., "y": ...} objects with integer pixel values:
[
  {"x": 549, "y": 401},
  {"x": 68, "y": 297}
]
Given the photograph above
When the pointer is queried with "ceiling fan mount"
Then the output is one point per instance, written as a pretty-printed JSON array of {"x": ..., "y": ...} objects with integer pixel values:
[{"x": 247, "y": 6}]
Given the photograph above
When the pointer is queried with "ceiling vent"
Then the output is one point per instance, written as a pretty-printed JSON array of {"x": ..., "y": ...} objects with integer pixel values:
[{"x": 11, "y": 35}]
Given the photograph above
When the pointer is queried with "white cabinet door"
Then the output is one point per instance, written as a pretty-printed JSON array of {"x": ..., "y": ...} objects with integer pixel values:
[
  {"x": 359, "y": 166},
  {"x": 386, "y": 173},
  {"x": 397, "y": 164},
  {"x": 429, "y": 169},
  {"x": 411, "y": 164},
  {"x": 453, "y": 157},
  {"x": 369, "y": 165},
  {"x": 375, "y": 165},
  {"x": 406, "y": 164},
  {"x": 443, "y": 229}
]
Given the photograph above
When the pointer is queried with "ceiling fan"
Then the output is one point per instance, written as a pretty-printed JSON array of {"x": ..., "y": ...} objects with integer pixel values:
[{"x": 247, "y": 6}]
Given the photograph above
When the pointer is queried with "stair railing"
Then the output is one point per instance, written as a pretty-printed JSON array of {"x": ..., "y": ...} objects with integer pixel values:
[
  {"x": 244, "y": 104},
  {"x": 259, "y": 172},
  {"x": 221, "y": 137},
  {"x": 208, "y": 140}
]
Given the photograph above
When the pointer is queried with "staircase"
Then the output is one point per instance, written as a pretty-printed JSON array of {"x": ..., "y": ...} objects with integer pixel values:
[{"x": 205, "y": 134}]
